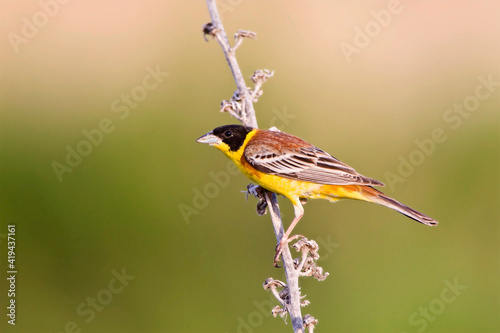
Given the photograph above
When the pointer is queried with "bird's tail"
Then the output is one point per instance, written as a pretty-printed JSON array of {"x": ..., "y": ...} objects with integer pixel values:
[{"x": 380, "y": 198}]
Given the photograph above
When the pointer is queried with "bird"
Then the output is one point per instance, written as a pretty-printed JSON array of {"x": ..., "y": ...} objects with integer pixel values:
[{"x": 290, "y": 166}]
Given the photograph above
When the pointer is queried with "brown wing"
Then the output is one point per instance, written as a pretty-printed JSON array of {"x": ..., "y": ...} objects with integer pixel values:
[{"x": 288, "y": 156}]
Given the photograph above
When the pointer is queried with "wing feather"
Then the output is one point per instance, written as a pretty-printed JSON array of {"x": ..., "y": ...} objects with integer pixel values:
[{"x": 288, "y": 156}]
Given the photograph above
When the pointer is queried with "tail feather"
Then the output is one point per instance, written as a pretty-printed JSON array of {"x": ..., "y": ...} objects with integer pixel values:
[{"x": 380, "y": 198}]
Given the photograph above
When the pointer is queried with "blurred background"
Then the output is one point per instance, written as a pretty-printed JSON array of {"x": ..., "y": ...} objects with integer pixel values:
[{"x": 124, "y": 224}]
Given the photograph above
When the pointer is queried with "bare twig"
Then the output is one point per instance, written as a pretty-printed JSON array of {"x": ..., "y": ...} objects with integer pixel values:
[
  {"x": 309, "y": 322},
  {"x": 307, "y": 264},
  {"x": 292, "y": 275},
  {"x": 238, "y": 38},
  {"x": 241, "y": 107},
  {"x": 273, "y": 284},
  {"x": 217, "y": 31},
  {"x": 259, "y": 77}
]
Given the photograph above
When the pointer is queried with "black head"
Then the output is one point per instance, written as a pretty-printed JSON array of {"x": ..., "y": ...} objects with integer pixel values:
[{"x": 232, "y": 135}]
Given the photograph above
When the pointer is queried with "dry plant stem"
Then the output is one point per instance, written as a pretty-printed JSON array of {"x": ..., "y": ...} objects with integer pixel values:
[
  {"x": 248, "y": 118},
  {"x": 292, "y": 275}
]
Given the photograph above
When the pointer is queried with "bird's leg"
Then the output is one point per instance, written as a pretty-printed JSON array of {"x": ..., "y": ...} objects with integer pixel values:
[{"x": 299, "y": 212}]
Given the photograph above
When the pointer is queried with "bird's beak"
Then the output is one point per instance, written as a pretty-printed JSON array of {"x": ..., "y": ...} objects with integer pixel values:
[{"x": 209, "y": 139}]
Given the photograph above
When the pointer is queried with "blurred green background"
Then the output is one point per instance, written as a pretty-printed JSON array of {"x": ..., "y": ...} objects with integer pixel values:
[{"x": 118, "y": 211}]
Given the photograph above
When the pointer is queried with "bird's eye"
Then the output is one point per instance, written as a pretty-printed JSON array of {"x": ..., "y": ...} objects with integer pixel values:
[{"x": 228, "y": 134}]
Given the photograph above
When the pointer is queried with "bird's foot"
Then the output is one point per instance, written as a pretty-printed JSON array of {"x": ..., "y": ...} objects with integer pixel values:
[{"x": 279, "y": 248}]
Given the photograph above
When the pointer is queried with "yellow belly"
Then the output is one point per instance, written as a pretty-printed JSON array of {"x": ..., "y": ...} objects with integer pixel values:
[
  {"x": 290, "y": 188},
  {"x": 296, "y": 189}
]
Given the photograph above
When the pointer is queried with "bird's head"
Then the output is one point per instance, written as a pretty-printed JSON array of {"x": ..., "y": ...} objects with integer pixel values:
[{"x": 227, "y": 138}]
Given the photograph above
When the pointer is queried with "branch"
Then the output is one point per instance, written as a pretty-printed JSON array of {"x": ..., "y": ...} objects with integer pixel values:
[
  {"x": 216, "y": 29},
  {"x": 241, "y": 107},
  {"x": 292, "y": 275}
]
